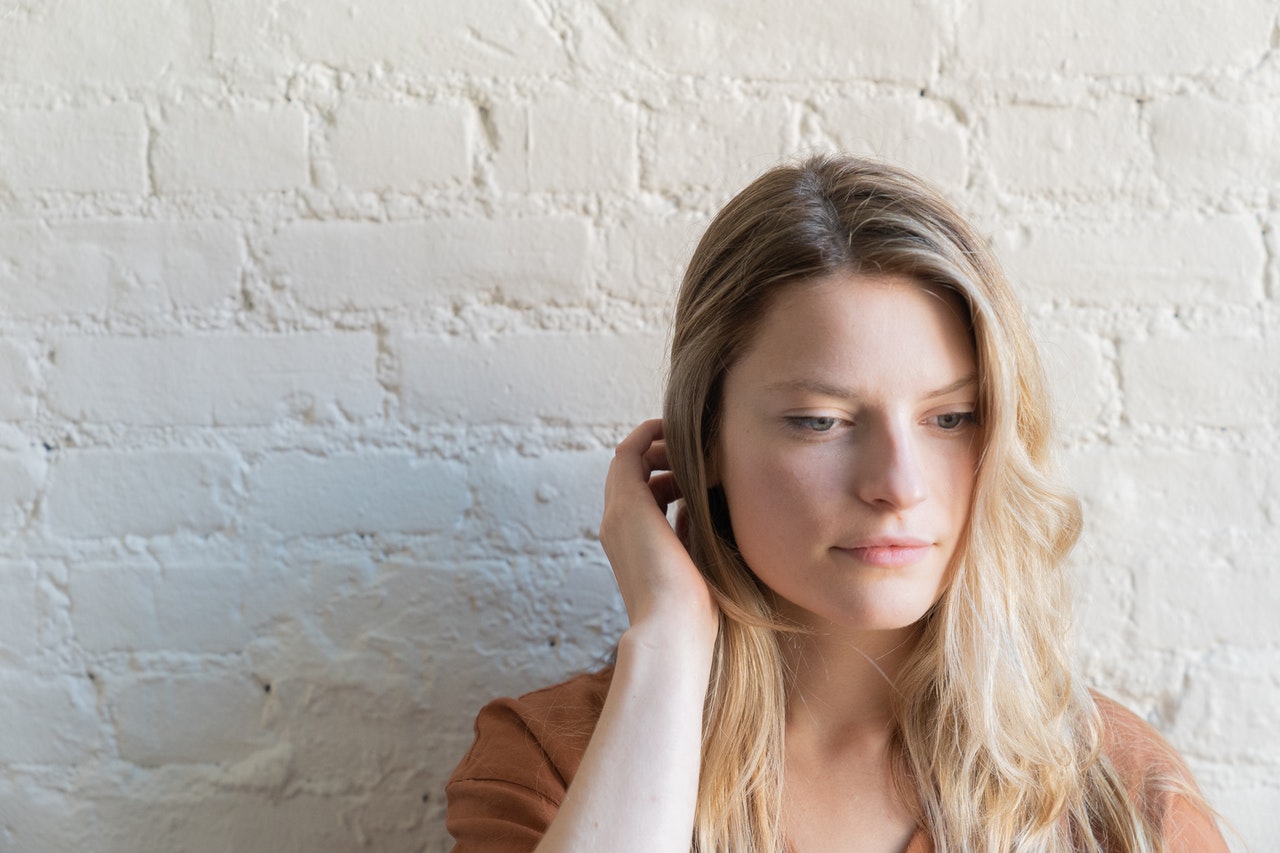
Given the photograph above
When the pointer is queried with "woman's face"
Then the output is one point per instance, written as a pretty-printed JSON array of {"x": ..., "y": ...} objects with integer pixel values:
[{"x": 848, "y": 449}]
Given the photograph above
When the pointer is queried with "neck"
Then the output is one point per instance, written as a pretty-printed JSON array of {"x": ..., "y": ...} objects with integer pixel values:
[{"x": 842, "y": 685}]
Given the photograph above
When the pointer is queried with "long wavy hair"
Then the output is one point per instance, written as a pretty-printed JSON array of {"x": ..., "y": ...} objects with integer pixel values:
[{"x": 996, "y": 747}]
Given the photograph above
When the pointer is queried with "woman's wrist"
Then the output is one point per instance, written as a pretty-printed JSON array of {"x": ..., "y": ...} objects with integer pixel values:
[{"x": 672, "y": 641}]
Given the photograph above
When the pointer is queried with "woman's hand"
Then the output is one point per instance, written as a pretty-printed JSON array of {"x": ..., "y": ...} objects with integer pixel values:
[
  {"x": 637, "y": 786},
  {"x": 665, "y": 595}
]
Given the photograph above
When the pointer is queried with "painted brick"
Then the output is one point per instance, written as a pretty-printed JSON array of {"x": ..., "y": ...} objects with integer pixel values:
[
  {"x": 1099, "y": 37},
  {"x": 355, "y": 602},
  {"x": 370, "y": 492},
  {"x": 913, "y": 132},
  {"x": 590, "y": 608},
  {"x": 483, "y": 37},
  {"x": 173, "y": 719},
  {"x": 802, "y": 40},
  {"x": 1142, "y": 680},
  {"x": 647, "y": 258},
  {"x": 1200, "y": 380},
  {"x": 1215, "y": 146},
  {"x": 20, "y": 614},
  {"x": 566, "y": 606},
  {"x": 113, "y": 266},
  {"x": 401, "y": 147},
  {"x": 1231, "y": 708},
  {"x": 1249, "y": 804},
  {"x": 1055, "y": 150},
  {"x": 22, "y": 473},
  {"x": 703, "y": 144},
  {"x": 1173, "y": 259},
  {"x": 125, "y": 44},
  {"x": 216, "y": 380},
  {"x": 350, "y": 730},
  {"x": 1271, "y": 234},
  {"x": 249, "y": 43},
  {"x": 191, "y": 609},
  {"x": 512, "y": 379},
  {"x": 567, "y": 145},
  {"x": 1201, "y": 600},
  {"x": 482, "y": 590},
  {"x": 18, "y": 383},
  {"x": 97, "y": 149},
  {"x": 1078, "y": 375},
  {"x": 1103, "y": 601},
  {"x": 337, "y": 265},
  {"x": 221, "y": 820},
  {"x": 242, "y": 149},
  {"x": 1177, "y": 494},
  {"x": 113, "y": 608},
  {"x": 37, "y": 819},
  {"x": 555, "y": 496},
  {"x": 533, "y": 618},
  {"x": 48, "y": 720},
  {"x": 559, "y": 613},
  {"x": 96, "y": 493}
]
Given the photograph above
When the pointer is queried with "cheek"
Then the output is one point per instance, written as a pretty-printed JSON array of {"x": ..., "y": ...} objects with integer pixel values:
[
  {"x": 955, "y": 484},
  {"x": 769, "y": 488}
]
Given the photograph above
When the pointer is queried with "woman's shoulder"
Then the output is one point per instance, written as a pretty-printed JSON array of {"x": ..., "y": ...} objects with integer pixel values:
[
  {"x": 1157, "y": 779},
  {"x": 556, "y": 722},
  {"x": 1134, "y": 746},
  {"x": 526, "y": 751}
]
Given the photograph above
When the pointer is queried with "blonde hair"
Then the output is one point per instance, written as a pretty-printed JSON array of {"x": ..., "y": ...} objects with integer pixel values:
[{"x": 997, "y": 746}]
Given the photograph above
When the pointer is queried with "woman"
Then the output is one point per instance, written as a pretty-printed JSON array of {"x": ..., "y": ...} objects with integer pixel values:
[{"x": 857, "y": 640}]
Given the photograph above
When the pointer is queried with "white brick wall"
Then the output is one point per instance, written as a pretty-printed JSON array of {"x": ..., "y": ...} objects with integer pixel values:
[
  {"x": 332, "y": 266},
  {"x": 566, "y": 144},
  {"x": 95, "y": 149},
  {"x": 245, "y": 148},
  {"x": 121, "y": 267},
  {"x": 1096, "y": 37},
  {"x": 1051, "y": 151},
  {"x": 397, "y": 147},
  {"x": 513, "y": 379},
  {"x": 318, "y": 322}
]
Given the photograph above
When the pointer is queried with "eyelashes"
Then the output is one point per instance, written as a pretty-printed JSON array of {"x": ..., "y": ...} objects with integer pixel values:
[
  {"x": 952, "y": 421},
  {"x": 818, "y": 424},
  {"x": 813, "y": 423}
]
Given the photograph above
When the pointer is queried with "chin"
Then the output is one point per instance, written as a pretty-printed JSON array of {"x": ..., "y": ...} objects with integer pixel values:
[{"x": 860, "y": 617}]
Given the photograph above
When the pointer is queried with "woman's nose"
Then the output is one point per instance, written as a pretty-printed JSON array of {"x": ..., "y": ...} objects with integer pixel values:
[{"x": 890, "y": 473}]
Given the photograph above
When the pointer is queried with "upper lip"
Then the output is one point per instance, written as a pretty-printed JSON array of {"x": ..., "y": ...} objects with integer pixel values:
[{"x": 891, "y": 541}]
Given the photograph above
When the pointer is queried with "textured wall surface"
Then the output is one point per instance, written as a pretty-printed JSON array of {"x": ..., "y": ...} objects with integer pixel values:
[{"x": 320, "y": 319}]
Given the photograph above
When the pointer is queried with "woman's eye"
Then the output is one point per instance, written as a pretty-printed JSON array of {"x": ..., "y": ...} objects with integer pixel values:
[
  {"x": 814, "y": 424},
  {"x": 954, "y": 420}
]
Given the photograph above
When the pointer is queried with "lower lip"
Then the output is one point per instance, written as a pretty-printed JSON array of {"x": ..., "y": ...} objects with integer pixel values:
[{"x": 888, "y": 556}]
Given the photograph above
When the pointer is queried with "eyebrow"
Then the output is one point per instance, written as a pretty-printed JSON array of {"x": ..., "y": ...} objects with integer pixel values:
[
  {"x": 960, "y": 384},
  {"x": 826, "y": 389}
]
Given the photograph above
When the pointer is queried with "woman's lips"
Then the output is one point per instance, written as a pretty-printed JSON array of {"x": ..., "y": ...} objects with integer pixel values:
[{"x": 888, "y": 552}]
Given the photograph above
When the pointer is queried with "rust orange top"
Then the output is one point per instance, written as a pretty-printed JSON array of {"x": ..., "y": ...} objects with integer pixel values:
[{"x": 509, "y": 786}]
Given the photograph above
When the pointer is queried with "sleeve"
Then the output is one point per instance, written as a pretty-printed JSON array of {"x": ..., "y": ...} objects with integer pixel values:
[
  {"x": 506, "y": 791},
  {"x": 1161, "y": 782}
]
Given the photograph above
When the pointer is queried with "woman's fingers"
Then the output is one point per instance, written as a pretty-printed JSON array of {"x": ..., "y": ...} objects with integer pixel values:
[
  {"x": 629, "y": 457},
  {"x": 647, "y": 441},
  {"x": 640, "y": 438},
  {"x": 664, "y": 488},
  {"x": 656, "y": 456},
  {"x": 643, "y": 454}
]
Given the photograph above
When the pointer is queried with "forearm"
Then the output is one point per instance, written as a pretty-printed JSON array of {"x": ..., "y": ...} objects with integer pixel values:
[{"x": 637, "y": 786}]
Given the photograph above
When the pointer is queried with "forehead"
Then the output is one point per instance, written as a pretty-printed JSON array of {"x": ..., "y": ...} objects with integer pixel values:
[{"x": 892, "y": 325}]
